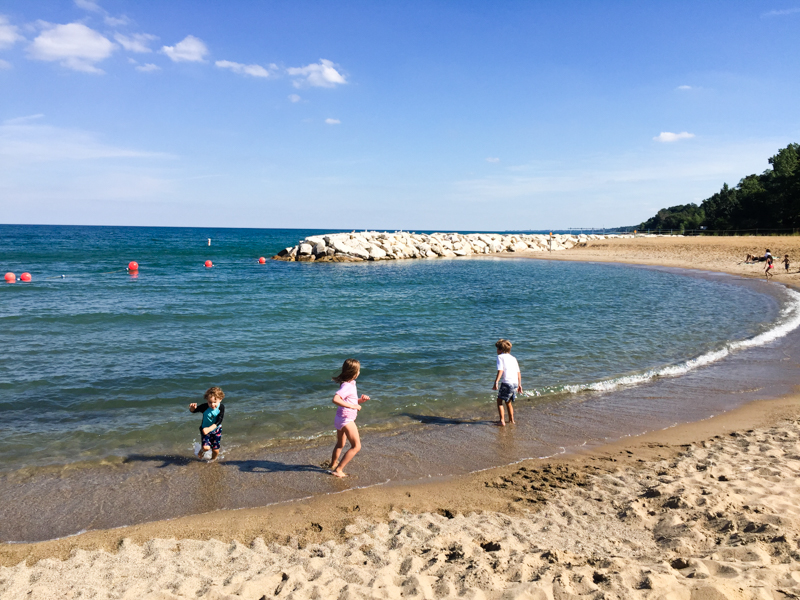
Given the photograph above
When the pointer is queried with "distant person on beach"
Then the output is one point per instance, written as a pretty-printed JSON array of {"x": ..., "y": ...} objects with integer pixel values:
[
  {"x": 211, "y": 428},
  {"x": 349, "y": 403},
  {"x": 509, "y": 379},
  {"x": 754, "y": 258},
  {"x": 786, "y": 262},
  {"x": 768, "y": 270}
]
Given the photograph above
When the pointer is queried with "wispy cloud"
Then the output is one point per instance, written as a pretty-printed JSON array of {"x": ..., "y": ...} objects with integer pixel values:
[
  {"x": 781, "y": 13},
  {"x": 684, "y": 87},
  {"x": 190, "y": 49},
  {"x": 89, "y": 5},
  {"x": 9, "y": 34},
  {"x": 4, "y": 64},
  {"x": 668, "y": 136},
  {"x": 294, "y": 98},
  {"x": 74, "y": 45},
  {"x": 147, "y": 68},
  {"x": 136, "y": 42},
  {"x": 333, "y": 121},
  {"x": 492, "y": 159},
  {"x": 22, "y": 120},
  {"x": 321, "y": 74},
  {"x": 21, "y": 140},
  {"x": 116, "y": 21},
  {"x": 252, "y": 70}
]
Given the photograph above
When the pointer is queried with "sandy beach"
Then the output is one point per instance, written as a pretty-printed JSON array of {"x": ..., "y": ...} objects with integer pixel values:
[{"x": 703, "y": 510}]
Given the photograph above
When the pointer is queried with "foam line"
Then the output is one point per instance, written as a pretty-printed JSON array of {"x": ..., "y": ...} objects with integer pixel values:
[{"x": 788, "y": 321}]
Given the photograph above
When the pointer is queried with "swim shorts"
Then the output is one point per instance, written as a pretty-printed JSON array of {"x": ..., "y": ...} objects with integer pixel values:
[
  {"x": 507, "y": 392},
  {"x": 213, "y": 439}
]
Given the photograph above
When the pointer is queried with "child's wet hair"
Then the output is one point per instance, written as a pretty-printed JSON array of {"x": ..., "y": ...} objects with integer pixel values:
[
  {"x": 350, "y": 370},
  {"x": 503, "y": 345},
  {"x": 215, "y": 393}
]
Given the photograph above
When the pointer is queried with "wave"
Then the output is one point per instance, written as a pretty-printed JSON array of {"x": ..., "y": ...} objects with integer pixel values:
[{"x": 788, "y": 321}]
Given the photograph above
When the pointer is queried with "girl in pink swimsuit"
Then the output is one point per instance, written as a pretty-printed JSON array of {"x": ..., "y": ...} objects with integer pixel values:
[{"x": 348, "y": 403}]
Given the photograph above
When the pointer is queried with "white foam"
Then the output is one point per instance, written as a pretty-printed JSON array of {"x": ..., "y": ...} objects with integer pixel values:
[{"x": 788, "y": 321}]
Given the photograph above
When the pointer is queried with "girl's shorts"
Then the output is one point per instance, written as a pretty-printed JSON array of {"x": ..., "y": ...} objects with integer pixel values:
[
  {"x": 507, "y": 392},
  {"x": 213, "y": 439},
  {"x": 340, "y": 422}
]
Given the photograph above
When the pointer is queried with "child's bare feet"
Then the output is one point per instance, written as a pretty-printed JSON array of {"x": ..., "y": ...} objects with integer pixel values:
[
  {"x": 339, "y": 474},
  {"x": 502, "y": 423}
]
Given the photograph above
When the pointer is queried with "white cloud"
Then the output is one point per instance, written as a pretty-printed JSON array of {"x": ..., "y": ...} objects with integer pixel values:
[
  {"x": 684, "y": 87},
  {"x": 322, "y": 74},
  {"x": 147, "y": 68},
  {"x": 252, "y": 70},
  {"x": 294, "y": 98},
  {"x": 668, "y": 136},
  {"x": 89, "y": 5},
  {"x": 4, "y": 64},
  {"x": 782, "y": 13},
  {"x": 8, "y": 33},
  {"x": 333, "y": 121},
  {"x": 21, "y": 120},
  {"x": 74, "y": 45},
  {"x": 137, "y": 42},
  {"x": 190, "y": 49},
  {"x": 493, "y": 160}
]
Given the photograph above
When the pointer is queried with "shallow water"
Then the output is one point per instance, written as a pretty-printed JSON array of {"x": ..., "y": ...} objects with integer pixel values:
[{"x": 97, "y": 368}]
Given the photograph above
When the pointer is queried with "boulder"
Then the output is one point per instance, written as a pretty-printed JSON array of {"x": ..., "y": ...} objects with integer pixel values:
[
  {"x": 305, "y": 248},
  {"x": 375, "y": 253}
]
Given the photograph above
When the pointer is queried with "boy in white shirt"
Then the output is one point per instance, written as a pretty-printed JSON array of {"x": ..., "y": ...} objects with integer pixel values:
[{"x": 509, "y": 379}]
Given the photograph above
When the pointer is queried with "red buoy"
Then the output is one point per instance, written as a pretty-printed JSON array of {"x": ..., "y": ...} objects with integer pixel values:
[
  {"x": 11, "y": 278},
  {"x": 209, "y": 264},
  {"x": 262, "y": 260},
  {"x": 25, "y": 277},
  {"x": 133, "y": 266}
]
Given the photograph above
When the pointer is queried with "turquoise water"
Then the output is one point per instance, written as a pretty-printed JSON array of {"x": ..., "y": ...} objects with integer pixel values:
[{"x": 100, "y": 363}]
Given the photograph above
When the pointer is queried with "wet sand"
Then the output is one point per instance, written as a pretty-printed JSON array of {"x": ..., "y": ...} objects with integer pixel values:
[{"x": 673, "y": 513}]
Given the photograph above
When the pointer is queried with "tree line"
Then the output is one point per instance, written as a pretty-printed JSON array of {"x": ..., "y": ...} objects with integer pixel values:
[{"x": 767, "y": 201}]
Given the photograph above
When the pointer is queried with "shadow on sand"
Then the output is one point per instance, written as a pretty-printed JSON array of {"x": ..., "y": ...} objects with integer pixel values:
[{"x": 245, "y": 466}]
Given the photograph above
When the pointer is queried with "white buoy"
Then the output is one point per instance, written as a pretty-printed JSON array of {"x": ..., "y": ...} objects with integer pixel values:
[{"x": 209, "y": 241}]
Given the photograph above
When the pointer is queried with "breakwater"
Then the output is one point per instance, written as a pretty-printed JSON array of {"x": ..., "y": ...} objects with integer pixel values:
[{"x": 382, "y": 245}]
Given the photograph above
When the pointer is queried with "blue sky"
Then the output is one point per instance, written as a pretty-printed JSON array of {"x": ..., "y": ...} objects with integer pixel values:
[{"x": 387, "y": 115}]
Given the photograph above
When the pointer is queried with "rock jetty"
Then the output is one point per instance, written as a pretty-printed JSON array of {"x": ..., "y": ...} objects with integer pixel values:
[{"x": 382, "y": 245}]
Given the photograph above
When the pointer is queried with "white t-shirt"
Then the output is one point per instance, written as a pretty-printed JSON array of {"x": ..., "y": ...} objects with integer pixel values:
[{"x": 508, "y": 364}]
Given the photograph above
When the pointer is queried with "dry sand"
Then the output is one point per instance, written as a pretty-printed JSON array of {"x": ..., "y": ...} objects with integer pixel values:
[{"x": 701, "y": 511}]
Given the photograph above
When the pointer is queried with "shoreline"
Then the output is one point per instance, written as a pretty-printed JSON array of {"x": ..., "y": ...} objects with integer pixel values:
[{"x": 327, "y": 518}]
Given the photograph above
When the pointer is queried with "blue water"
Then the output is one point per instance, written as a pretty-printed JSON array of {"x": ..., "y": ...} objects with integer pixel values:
[{"x": 100, "y": 363}]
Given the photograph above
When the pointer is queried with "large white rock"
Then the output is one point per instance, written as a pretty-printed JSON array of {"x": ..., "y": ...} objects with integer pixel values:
[
  {"x": 519, "y": 247},
  {"x": 305, "y": 249},
  {"x": 376, "y": 253}
]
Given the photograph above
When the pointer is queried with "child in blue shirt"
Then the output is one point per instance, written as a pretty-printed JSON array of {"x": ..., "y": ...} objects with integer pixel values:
[{"x": 211, "y": 428}]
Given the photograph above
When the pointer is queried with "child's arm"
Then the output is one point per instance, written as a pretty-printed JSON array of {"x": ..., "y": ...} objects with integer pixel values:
[
  {"x": 339, "y": 401},
  {"x": 519, "y": 382},
  {"x": 497, "y": 379},
  {"x": 193, "y": 407},
  {"x": 363, "y": 398}
]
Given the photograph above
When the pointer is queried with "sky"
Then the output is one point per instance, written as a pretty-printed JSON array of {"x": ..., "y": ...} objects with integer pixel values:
[{"x": 416, "y": 115}]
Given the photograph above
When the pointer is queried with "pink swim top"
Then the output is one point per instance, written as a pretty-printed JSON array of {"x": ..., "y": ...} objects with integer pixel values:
[{"x": 348, "y": 393}]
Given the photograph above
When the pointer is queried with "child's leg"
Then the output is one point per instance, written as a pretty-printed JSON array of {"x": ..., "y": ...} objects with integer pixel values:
[
  {"x": 510, "y": 406},
  {"x": 500, "y": 410},
  {"x": 337, "y": 449},
  {"x": 351, "y": 431}
]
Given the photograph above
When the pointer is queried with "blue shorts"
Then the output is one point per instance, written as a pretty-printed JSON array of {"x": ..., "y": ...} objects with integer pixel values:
[
  {"x": 213, "y": 439},
  {"x": 507, "y": 392}
]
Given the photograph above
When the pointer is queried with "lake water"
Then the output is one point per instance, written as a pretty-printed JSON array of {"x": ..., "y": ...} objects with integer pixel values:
[{"x": 98, "y": 366}]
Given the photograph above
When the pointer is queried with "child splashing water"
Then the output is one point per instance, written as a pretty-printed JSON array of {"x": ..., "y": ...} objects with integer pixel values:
[{"x": 349, "y": 404}]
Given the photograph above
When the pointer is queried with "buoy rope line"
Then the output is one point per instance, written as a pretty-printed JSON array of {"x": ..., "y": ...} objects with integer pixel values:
[{"x": 129, "y": 270}]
